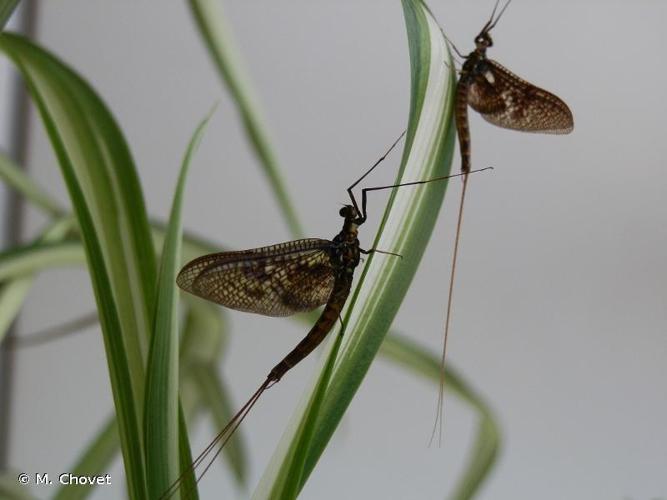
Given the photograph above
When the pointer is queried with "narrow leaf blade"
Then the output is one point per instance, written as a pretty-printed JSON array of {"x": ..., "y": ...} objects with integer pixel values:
[
  {"x": 6, "y": 10},
  {"x": 210, "y": 19},
  {"x": 161, "y": 429},
  {"x": 105, "y": 193},
  {"x": 486, "y": 449},
  {"x": 13, "y": 176},
  {"x": 406, "y": 227},
  {"x": 94, "y": 461}
]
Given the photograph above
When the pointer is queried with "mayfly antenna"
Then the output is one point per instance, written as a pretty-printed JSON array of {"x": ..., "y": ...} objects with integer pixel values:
[{"x": 491, "y": 24}]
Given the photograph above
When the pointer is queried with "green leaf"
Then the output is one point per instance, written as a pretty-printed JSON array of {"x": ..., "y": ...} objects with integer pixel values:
[
  {"x": 14, "y": 177},
  {"x": 204, "y": 333},
  {"x": 12, "y": 296},
  {"x": 291, "y": 476},
  {"x": 202, "y": 345},
  {"x": 6, "y": 10},
  {"x": 12, "y": 489},
  {"x": 162, "y": 408},
  {"x": 189, "y": 482},
  {"x": 406, "y": 353},
  {"x": 406, "y": 227},
  {"x": 19, "y": 264},
  {"x": 216, "y": 399},
  {"x": 94, "y": 461},
  {"x": 214, "y": 30},
  {"x": 204, "y": 322},
  {"x": 14, "y": 291},
  {"x": 39, "y": 256},
  {"x": 105, "y": 193}
]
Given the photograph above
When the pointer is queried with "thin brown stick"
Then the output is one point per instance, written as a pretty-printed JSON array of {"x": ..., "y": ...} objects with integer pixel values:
[{"x": 54, "y": 332}]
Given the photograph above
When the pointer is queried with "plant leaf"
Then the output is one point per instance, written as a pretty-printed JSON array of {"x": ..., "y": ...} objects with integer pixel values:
[
  {"x": 406, "y": 227},
  {"x": 163, "y": 464},
  {"x": 12, "y": 296},
  {"x": 16, "y": 178},
  {"x": 94, "y": 461},
  {"x": 38, "y": 256},
  {"x": 11, "y": 489},
  {"x": 214, "y": 30},
  {"x": 14, "y": 291},
  {"x": 105, "y": 193},
  {"x": 6, "y": 10},
  {"x": 406, "y": 353},
  {"x": 291, "y": 478},
  {"x": 189, "y": 482},
  {"x": 19, "y": 264},
  {"x": 203, "y": 320},
  {"x": 216, "y": 399}
]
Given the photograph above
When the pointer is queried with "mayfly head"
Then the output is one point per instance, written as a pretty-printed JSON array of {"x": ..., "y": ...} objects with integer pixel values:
[
  {"x": 349, "y": 213},
  {"x": 484, "y": 40}
]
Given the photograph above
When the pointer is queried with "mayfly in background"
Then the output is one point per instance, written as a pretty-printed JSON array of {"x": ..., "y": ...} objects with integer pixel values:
[
  {"x": 281, "y": 280},
  {"x": 504, "y": 99}
]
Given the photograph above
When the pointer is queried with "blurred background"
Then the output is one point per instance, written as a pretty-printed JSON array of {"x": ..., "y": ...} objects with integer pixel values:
[{"x": 560, "y": 305}]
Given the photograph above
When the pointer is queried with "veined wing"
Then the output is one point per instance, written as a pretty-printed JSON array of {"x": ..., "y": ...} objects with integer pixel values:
[
  {"x": 277, "y": 280},
  {"x": 504, "y": 99}
]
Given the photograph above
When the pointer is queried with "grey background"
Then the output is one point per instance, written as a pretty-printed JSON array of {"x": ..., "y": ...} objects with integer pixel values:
[{"x": 559, "y": 313}]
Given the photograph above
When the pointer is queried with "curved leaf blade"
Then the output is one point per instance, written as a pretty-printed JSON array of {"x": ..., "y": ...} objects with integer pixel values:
[
  {"x": 21, "y": 261},
  {"x": 162, "y": 414},
  {"x": 105, "y": 193},
  {"x": 486, "y": 449},
  {"x": 6, "y": 10},
  {"x": 210, "y": 19},
  {"x": 94, "y": 461},
  {"x": 13, "y": 290},
  {"x": 17, "y": 179},
  {"x": 406, "y": 227}
]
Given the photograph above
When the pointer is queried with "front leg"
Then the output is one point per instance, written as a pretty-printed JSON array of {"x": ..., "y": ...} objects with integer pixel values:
[{"x": 375, "y": 250}]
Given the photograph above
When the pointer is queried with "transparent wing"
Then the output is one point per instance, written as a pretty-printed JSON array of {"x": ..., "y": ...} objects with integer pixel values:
[
  {"x": 277, "y": 280},
  {"x": 504, "y": 99}
]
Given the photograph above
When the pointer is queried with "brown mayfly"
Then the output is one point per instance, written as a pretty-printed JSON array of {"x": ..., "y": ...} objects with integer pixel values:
[
  {"x": 505, "y": 100},
  {"x": 281, "y": 280}
]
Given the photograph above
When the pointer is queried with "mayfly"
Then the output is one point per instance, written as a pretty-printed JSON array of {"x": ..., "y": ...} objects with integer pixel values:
[
  {"x": 281, "y": 280},
  {"x": 504, "y": 99}
]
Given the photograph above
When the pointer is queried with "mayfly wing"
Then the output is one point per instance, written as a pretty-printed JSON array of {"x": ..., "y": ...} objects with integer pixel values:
[
  {"x": 277, "y": 280},
  {"x": 508, "y": 101}
]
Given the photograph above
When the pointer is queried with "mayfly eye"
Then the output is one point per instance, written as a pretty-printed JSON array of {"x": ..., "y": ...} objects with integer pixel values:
[{"x": 343, "y": 211}]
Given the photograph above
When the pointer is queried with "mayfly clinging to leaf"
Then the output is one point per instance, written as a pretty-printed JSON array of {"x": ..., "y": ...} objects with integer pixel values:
[
  {"x": 281, "y": 280},
  {"x": 505, "y": 100}
]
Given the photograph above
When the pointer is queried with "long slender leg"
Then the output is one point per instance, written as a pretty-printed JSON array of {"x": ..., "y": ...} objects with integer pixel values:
[
  {"x": 349, "y": 190},
  {"x": 375, "y": 250}
]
